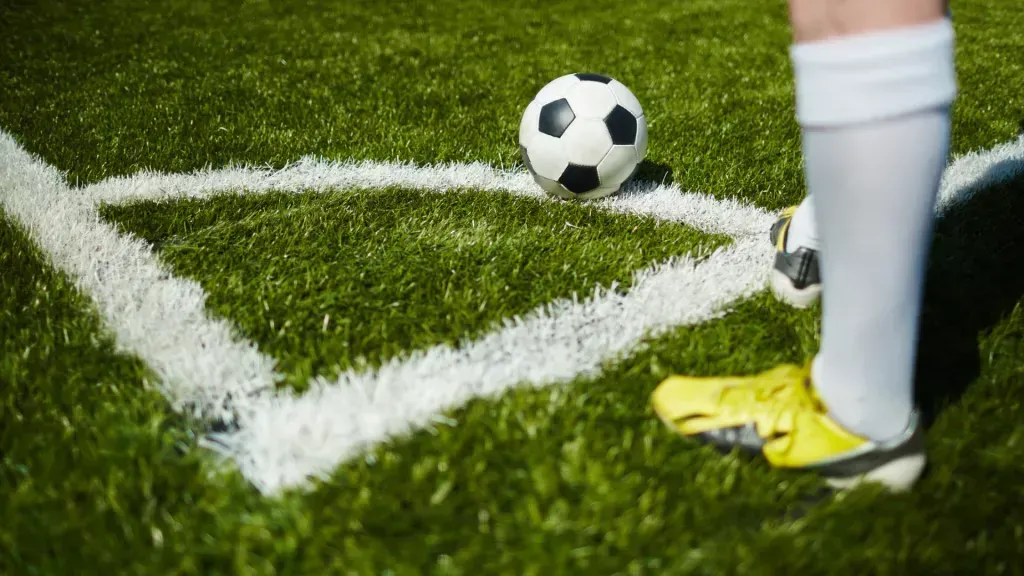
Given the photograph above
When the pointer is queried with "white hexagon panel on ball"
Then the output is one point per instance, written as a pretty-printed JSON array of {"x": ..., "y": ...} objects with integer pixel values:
[{"x": 583, "y": 136}]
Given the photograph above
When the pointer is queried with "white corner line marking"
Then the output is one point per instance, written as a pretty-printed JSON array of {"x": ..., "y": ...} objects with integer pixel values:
[
  {"x": 200, "y": 363},
  {"x": 284, "y": 439},
  {"x": 664, "y": 202}
]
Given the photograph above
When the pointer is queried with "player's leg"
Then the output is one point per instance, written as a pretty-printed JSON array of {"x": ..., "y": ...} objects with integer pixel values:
[
  {"x": 874, "y": 82},
  {"x": 796, "y": 276},
  {"x": 822, "y": 20},
  {"x": 874, "y": 88}
]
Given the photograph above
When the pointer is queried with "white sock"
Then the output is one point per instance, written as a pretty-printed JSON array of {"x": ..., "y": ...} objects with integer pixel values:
[
  {"x": 874, "y": 109},
  {"x": 803, "y": 229}
]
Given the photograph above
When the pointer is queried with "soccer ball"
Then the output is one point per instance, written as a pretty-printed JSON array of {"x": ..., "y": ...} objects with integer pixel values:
[{"x": 583, "y": 136}]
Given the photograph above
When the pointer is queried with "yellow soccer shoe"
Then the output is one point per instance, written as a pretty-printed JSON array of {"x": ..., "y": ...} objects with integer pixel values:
[{"x": 778, "y": 415}]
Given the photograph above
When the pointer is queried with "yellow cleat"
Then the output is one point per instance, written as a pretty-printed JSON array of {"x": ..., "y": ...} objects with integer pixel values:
[{"x": 778, "y": 415}]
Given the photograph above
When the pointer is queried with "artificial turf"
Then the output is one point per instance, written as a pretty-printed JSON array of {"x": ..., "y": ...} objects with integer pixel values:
[
  {"x": 109, "y": 88},
  {"x": 565, "y": 480},
  {"x": 328, "y": 282},
  {"x": 96, "y": 475}
]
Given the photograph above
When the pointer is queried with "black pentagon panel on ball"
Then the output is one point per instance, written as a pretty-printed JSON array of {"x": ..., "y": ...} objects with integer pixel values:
[
  {"x": 621, "y": 126},
  {"x": 590, "y": 77},
  {"x": 555, "y": 117},
  {"x": 580, "y": 179}
]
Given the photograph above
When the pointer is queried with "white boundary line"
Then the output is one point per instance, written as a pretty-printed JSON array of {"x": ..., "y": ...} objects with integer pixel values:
[
  {"x": 200, "y": 363},
  {"x": 287, "y": 438},
  {"x": 284, "y": 440},
  {"x": 309, "y": 174}
]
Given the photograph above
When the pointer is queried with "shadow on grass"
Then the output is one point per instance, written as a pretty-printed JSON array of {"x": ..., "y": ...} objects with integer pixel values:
[
  {"x": 975, "y": 278},
  {"x": 656, "y": 172}
]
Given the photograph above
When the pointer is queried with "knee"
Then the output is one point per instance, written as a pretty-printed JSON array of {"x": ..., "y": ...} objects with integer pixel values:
[
  {"x": 809, "y": 19},
  {"x": 814, "y": 20}
]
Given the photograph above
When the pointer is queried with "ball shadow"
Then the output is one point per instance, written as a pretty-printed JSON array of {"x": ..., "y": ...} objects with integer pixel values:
[{"x": 653, "y": 172}]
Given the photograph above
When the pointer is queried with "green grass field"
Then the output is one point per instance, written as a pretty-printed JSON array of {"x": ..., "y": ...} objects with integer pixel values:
[{"x": 99, "y": 475}]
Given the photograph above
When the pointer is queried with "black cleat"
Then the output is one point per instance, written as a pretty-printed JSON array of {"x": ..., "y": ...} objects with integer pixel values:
[{"x": 796, "y": 276}]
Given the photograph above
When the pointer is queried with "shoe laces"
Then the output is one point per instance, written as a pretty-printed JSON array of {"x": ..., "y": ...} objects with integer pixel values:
[{"x": 773, "y": 405}]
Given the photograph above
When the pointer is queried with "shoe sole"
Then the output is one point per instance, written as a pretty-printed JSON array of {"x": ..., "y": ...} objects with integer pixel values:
[
  {"x": 900, "y": 475},
  {"x": 783, "y": 289},
  {"x": 897, "y": 476}
]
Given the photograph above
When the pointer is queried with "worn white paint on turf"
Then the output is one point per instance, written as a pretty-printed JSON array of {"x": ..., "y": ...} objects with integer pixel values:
[
  {"x": 199, "y": 362},
  {"x": 556, "y": 343},
  {"x": 286, "y": 439},
  {"x": 968, "y": 173},
  {"x": 701, "y": 211},
  {"x": 975, "y": 171}
]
